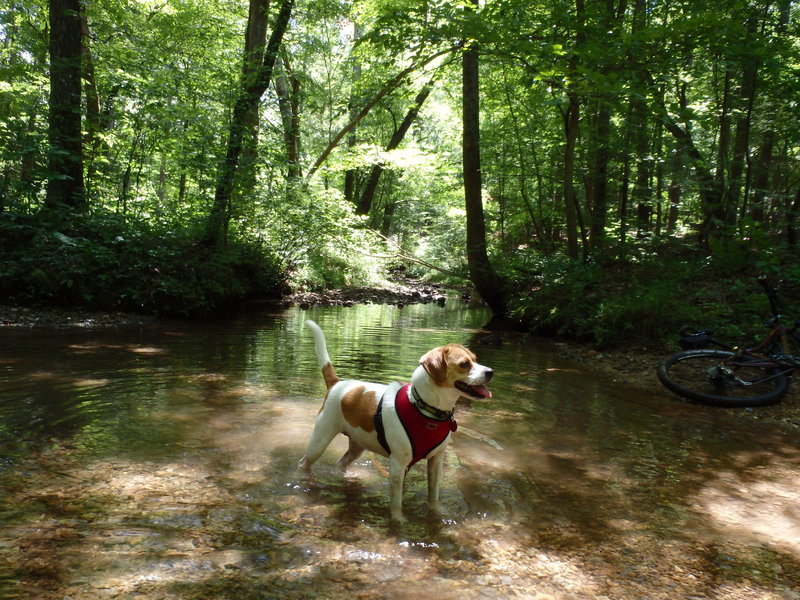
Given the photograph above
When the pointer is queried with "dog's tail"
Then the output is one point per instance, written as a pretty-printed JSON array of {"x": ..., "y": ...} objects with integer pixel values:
[{"x": 323, "y": 359}]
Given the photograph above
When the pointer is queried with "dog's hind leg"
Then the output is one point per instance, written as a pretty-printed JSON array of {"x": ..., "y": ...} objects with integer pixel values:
[
  {"x": 320, "y": 439},
  {"x": 353, "y": 452}
]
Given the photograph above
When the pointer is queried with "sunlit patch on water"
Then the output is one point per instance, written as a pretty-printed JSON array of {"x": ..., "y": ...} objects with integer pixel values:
[{"x": 765, "y": 511}]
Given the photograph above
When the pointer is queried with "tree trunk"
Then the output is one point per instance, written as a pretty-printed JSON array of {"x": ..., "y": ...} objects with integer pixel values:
[
  {"x": 287, "y": 88},
  {"x": 710, "y": 192},
  {"x": 365, "y": 203},
  {"x": 638, "y": 125},
  {"x": 571, "y": 123},
  {"x": 571, "y": 127},
  {"x": 65, "y": 189},
  {"x": 352, "y": 176},
  {"x": 791, "y": 220},
  {"x": 487, "y": 282},
  {"x": 724, "y": 137},
  {"x": 254, "y": 42},
  {"x": 763, "y": 163},
  {"x": 732, "y": 202},
  {"x": 92, "y": 105},
  {"x": 599, "y": 197},
  {"x": 27, "y": 164},
  {"x": 250, "y": 96}
]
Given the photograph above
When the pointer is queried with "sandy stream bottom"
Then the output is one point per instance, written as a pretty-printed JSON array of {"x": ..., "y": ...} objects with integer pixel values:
[{"x": 229, "y": 518}]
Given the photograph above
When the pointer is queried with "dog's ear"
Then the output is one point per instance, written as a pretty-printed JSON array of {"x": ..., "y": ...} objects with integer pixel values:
[{"x": 435, "y": 364}]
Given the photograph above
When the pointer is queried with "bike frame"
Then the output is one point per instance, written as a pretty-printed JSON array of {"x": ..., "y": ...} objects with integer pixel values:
[{"x": 776, "y": 341}]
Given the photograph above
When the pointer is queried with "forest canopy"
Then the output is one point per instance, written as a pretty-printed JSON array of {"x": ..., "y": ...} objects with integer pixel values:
[{"x": 177, "y": 156}]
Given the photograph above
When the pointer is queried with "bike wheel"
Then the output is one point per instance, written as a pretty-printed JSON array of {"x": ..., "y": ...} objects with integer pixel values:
[{"x": 711, "y": 377}]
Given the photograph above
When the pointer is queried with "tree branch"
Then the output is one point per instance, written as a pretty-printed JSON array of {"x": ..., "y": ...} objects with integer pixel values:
[{"x": 384, "y": 91}]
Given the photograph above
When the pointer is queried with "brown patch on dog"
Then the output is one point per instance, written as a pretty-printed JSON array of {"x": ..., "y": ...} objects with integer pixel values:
[
  {"x": 443, "y": 362},
  {"x": 358, "y": 408},
  {"x": 329, "y": 375},
  {"x": 435, "y": 364}
]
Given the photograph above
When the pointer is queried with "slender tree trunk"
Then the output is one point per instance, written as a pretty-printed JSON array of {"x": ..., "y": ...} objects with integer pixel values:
[
  {"x": 365, "y": 202},
  {"x": 65, "y": 188},
  {"x": 487, "y": 282},
  {"x": 763, "y": 162},
  {"x": 388, "y": 87},
  {"x": 638, "y": 124},
  {"x": 624, "y": 201},
  {"x": 710, "y": 192},
  {"x": 791, "y": 220},
  {"x": 724, "y": 137},
  {"x": 571, "y": 124},
  {"x": 93, "y": 125},
  {"x": 599, "y": 197},
  {"x": 353, "y": 176},
  {"x": 249, "y": 96},
  {"x": 571, "y": 127},
  {"x": 734, "y": 201},
  {"x": 287, "y": 88},
  {"x": 521, "y": 163},
  {"x": 27, "y": 163}
]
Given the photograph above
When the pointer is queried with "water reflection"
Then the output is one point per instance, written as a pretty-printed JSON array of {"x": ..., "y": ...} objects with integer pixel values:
[{"x": 164, "y": 459}]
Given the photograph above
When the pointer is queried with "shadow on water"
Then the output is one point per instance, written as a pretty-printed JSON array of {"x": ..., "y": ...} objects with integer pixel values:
[{"x": 161, "y": 463}]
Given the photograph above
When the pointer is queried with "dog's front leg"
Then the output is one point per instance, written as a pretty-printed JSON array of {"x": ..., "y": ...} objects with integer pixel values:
[
  {"x": 435, "y": 466},
  {"x": 397, "y": 478}
]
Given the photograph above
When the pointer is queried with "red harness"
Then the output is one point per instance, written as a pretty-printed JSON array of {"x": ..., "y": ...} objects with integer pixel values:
[{"x": 426, "y": 434}]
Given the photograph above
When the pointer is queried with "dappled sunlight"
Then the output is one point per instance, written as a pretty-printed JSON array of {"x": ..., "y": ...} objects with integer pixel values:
[
  {"x": 765, "y": 511},
  {"x": 746, "y": 591},
  {"x": 88, "y": 383},
  {"x": 94, "y": 347}
]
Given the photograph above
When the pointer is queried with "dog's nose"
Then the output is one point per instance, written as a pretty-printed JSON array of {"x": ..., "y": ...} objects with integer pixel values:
[{"x": 489, "y": 373}]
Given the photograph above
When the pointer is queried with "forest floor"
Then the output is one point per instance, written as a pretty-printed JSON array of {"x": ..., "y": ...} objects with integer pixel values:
[{"x": 633, "y": 365}]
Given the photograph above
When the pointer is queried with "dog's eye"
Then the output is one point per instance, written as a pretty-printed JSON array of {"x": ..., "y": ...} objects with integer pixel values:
[{"x": 464, "y": 364}]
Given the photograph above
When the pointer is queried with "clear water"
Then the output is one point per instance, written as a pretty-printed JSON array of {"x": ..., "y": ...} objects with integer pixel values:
[{"x": 161, "y": 462}]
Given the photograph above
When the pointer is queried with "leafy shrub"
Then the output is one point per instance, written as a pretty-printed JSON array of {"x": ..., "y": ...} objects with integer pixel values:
[
  {"x": 104, "y": 263},
  {"x": 648, "y": 299}
]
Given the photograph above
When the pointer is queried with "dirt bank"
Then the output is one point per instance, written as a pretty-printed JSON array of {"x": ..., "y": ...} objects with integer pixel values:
[
  {"x": 59, "y": 318},
  {"x": 636, "y": 366}
]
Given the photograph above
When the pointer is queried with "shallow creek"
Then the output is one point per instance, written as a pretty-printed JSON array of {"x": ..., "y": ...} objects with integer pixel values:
[{"x": 159, "y": 462}]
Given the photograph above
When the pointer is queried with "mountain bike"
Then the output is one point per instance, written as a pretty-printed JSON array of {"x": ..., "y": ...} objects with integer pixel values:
[{"x": 732, "y": 376}]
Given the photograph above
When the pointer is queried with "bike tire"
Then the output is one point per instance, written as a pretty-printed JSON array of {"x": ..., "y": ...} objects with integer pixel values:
[{"x": 687, "y": 375}]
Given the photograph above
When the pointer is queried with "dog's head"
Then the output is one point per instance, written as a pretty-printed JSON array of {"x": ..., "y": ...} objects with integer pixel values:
[{"x": 455, "y": 366}]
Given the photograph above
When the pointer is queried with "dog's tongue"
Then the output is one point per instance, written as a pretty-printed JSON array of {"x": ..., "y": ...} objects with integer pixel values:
[{"x": 482, "y": 391}]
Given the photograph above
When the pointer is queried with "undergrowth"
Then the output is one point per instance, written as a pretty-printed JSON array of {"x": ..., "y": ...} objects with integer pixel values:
[
  {"x": 102, "y": 262},
  {"x": 646, "y": 298}
]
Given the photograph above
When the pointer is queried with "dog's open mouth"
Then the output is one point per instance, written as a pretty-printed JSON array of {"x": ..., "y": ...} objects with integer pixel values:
[{"x": 476, "y": 391}]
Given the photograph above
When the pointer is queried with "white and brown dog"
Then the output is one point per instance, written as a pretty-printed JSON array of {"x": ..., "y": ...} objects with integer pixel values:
[{"x": 405, "y": 423}]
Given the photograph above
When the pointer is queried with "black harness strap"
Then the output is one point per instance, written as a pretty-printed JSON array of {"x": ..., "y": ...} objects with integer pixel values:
[{"x": 379, "y": 427}]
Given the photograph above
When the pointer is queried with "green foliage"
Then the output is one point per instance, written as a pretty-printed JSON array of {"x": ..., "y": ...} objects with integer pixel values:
[
  {"x": 647, "y": 300},
  {"x": 106, "y": 263}
]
